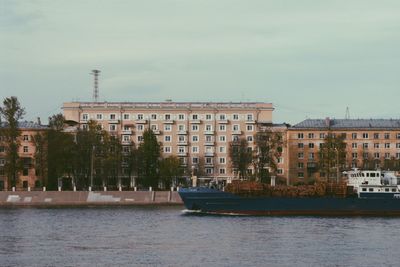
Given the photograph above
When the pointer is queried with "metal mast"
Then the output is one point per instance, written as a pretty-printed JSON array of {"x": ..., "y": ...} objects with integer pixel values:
[
  {"x": 96, "y": 73},
  {"x": 347, "y": 116}
]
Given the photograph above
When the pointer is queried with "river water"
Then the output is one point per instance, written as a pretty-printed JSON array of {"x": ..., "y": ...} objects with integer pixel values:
[{"x": 164, "y": 236}]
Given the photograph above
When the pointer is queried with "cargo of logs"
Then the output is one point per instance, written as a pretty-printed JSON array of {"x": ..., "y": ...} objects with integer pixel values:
[{"x": 320, "y": 189}]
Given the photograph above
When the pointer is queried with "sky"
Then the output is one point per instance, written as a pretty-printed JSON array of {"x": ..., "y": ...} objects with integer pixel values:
[{"x": 311, "y": 59}]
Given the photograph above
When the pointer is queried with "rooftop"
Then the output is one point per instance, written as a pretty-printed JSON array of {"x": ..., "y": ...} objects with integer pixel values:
[
  {"x": 27, "y": 125},
  {"x": 348, "y": 124}
]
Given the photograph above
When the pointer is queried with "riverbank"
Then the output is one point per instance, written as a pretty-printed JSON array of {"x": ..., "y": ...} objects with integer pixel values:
[{"x": 85, "y": 198}]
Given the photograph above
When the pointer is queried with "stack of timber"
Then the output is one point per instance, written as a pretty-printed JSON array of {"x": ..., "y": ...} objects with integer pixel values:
[{"x": 320, "y": 189}]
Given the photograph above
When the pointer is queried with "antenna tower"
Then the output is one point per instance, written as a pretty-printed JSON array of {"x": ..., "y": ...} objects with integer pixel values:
[
  {"x": 347, "y": 117},
  {"x": 96, "y": 73}
]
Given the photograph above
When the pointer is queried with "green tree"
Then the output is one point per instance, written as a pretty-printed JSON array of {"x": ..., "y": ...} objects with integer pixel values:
[
  {"x": 332, "y": 156},
  {"x": 268, "y": 150},
  {"x": 11, "y": 112},
  {"x": 149, "y": 152},
  {"x": 241, "y": 157},
  {"x": 41, "y": 150},
  {"x": 111, "y": 162},
  {"x": 132, "y": 164},
  {"x": 170, "y": 171}
]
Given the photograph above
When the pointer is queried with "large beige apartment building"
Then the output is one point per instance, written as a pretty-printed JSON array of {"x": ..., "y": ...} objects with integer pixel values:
[
  {"x": 193, "y": 131},
  {"x": 370, "y": 144},
  {"x": 27, "y": 175}
]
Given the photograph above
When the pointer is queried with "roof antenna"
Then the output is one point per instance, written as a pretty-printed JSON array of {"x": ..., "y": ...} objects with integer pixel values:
[
  {"x": 347, "y": 116},
  {"x": 96, "y": 73}
]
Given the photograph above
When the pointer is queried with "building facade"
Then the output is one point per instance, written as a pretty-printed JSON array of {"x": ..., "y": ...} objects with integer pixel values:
[
  {"x": 373, "y": 143},
  {"x": 196, "y": 132},
  {"x": 27, "y": 175}
]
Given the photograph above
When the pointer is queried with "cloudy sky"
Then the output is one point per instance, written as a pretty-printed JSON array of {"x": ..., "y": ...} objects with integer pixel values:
[{"x": 311, "y": 59}]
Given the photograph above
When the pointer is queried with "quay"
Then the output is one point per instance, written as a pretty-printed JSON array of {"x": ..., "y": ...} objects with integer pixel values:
[{"x": 87, "y": 198}]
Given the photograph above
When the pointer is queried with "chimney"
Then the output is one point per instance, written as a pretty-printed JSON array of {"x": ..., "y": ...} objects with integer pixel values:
[
  {"x": 38, "y": 121},
  {"x": 327, "y": 122}
]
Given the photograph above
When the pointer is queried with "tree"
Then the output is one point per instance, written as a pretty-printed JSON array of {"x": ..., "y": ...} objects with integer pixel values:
[
  {"x": 241, "y": 157},
  {"x": 332, "y": 155},
  {"x": 268, "y": 150},
  {"x": 170, "y": 171},
  {"x": 149, "y": 152},
  {"x": 40, "y": 142},
  {"x": 132, "y": 164},
  {"x": 11, "y": 112}
]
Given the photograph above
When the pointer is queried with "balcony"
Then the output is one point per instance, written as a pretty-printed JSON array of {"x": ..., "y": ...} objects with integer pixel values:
[
  {"x": 126, "y": 142},
  {"x": 311, "y": 165},
  {"x": 237, "y": 132},
  {"x": 127, "y": 132},
  {"x": 223, "y": 121},
  {"x": 168, "y": 121},
  {"x": 210, "y": 164},
  {"x": 209, "y": 143},
  {"x": 142, "y": 121},
  {"x": 195, "y": 121},
  {"x": 156, "y": 132},
  {"x": 182, "y": 154},
  {"x": 209, "y": 132},
  {"x": 182, "y": 143},
  {"x": 114, "y": 121},
  {"x": 182, "y": 132},
  {"x": 250, "y": 121},
  {"x": 209, "y": 154}
]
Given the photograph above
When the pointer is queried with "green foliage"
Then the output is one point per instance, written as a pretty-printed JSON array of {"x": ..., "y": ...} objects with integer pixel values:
[
  {"x": 41, "y": 156},
  {"x": 11, "y": 112},
  {"x": 149, "y": 155},
  {"x": 241, "y": 157},
  {"x": 332, "y": 155},
  {"x": 170, "y": 171}
]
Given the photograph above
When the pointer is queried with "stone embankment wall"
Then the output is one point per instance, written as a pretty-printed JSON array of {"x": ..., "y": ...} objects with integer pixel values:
[{"x": 85, "y": 198}]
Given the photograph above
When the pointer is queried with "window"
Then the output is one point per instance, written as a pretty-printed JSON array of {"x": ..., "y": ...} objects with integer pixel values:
[
  {"x": 310, "y": 135},
  {"x": 85, "y": 117},
  {"x": 195, "y": 160},
  {"x": 208, "y": 117},
  {"x": 235, "y": 127},
  {"x": 209, "y": 160},
  {"x": 376, "y": 135},
  {"x": 85, "y": 126},
  {"x": 398, "y": 136},
  {"x": 167, "y": 149},
  {"x": 387, "y": 155},
  {"x": 127, "y": 128},
  {"x": 153, "y": 127},
  {"x": 209, "y": 171},
  {"x": 235, "y": 117},
  {"x": 365, "y": 135},
  {"x": 181, "y": 138},
  {"x": 167, "y": 127},
  {"x": 140, "y": 138},
  {"x": 322, "y": 135},
  {"x": 387, "y": 135},
  {"x": 376, "y": 155},
  {"x": 354, "y": 145},
  {"x": 26, "y": 137},
  {"x": 99, "y": 116},
  {"x": 2, "y": 149},
  {"x": 167, "y": 138},
  {"x": 195, "y": 149},
  {"x": 113, "y": 116},
  {"x": 154, "y": 116},
  {"x": 167, "y": 117},
  {"x": 181, "y": 117},
  {"x": 222, "y": 117},
  {"x": 280, "y": 160},
  {"x": 140, "y": 127},
  {"x": 365, "y": 145},
  {"x": 279, "y": 171},
  {"x": 113, "y": 127},
  {"x": 181, "y": 149},
  {"x": 300, "y": 145},
  {"x": 300, "y": 136},
  {"x": 222, "y": 149},
  {"x": 249, "y": 117},
  {"x": 354, "y": 136},
  {"x": 126, "y": 117},
  {"x": 181, "y": 127},
  {"x": 208, "y": 138},
  {"x": 300, "y": 175},
  {"x": 311, "y": 155},
  {"x": 249, "y": 138},
  {"x": 195, "y": 127},
  {"x": 354, "y": 155},
  {"x": 125, "y": 138},
  {"x": 300, "y": 155},
  {"x": 311, "y": 145},
  {"x": 300, "y": 165},
  {"x": 208, "y": 127},
  {"x": 222, "y": 138},
  {"x": 397, "y": 155},
  {"x": 365, "y": 156},
  {"x": 195, "y": 116},
  {"x": 376, "y": 145},
  {"x": 195, "y": 138},
  {"x": 249, "y": 128},
  {"x": 222, "y": 160},
  {"x": 140, "y": 117},
  {"x": 387, "y": 145},
  {"x": 222, "y": 128},
  {"x": 222, "y": 171}
]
